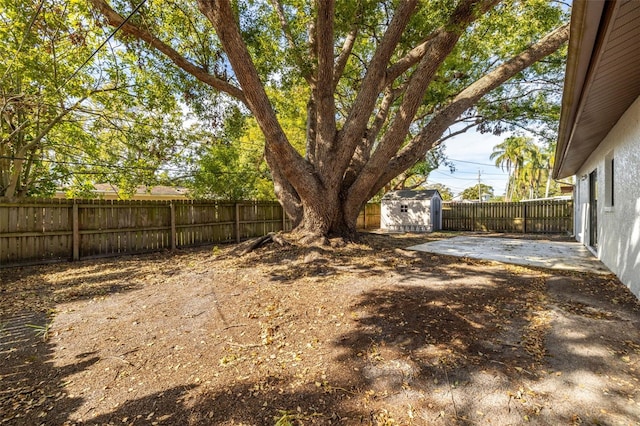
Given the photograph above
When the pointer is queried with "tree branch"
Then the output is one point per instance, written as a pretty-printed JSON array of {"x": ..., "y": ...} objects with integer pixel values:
[
  {"x": 383, "y": 112},
  {"x": 456, "y": 133},
  {"x": 278, "y": 151},
  {"x": 412, "y": 57},
  {"x": 437, "y": 51},
  {"x": 343, "y": 57},
  {"x": 325, "y": 102},
  {"x": 307, "y": 73},
  {"x": 310, "y": 134},
  {"x": 358, "y": 118},
  {"x": 362, "y": 153},
  {"x": 466, "y": 99},
  {"x": 20, "y": 154},
  {"x": 416, "y": 54},
  {"x": 15, "y": 131},
  {"x": 115, "y": 19}
]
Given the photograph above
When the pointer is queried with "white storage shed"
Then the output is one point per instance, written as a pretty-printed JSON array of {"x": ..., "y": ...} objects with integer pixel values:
[{"x": 411, "y": 211}]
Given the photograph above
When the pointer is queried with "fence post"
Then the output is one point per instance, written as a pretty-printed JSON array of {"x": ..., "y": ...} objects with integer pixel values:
[
  {"x": 237, "y": 222},
  {"x": 76, "y": 231},
  {"x": 524, "y": 218},
  {"x": 174, "y": 234},
  {"x": 474, "y": 214}
]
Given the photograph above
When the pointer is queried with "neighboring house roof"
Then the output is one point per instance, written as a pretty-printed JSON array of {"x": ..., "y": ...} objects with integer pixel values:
[
  {"x": 107, "y": 191},
  {"x": 602, "y": 77},
  {"x": 143, "y": 191},
  {"x": 404, "y": 194}
]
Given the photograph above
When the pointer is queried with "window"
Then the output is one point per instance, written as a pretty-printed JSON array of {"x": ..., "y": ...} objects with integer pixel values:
[
  {"x": 609, "y": 180},
  {"x": 404, "y": 208},
  {"x": 611, "y": 186}
]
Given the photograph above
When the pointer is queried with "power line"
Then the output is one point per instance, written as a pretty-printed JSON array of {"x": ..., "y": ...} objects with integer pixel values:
[
  {"x": 81, "y": 163},
  {"x": 503, "y": 174},
  {"x": 470, "y": 162},
  {"x": 95, "y": 52},
  {"x": 454, "y": 177},
  {"x": 485, "y": 164},
  {"x": 75, "y": 73}
]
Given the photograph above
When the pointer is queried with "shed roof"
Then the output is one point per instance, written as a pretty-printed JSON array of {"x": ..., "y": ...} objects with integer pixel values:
[
  {"x": 403, "y": 194},
  {"x": 602, "y": 78}
]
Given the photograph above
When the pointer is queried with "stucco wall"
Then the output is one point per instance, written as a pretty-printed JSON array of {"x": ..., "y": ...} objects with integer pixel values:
[{"x": 618, "y": 226}]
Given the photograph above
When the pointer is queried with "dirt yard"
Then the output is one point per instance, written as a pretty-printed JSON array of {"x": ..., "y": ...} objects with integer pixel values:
[{"x": 364, "y": 334}]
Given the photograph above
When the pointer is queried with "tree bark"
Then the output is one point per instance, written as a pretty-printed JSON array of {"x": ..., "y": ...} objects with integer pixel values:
[
  {"x": 430, "y": 134},
  {"x": 297, "y": 178},
  {"x": 201, "y": 74},
  {"x": 324, "y": 190}
]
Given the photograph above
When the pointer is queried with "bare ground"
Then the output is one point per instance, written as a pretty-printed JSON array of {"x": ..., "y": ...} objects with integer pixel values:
[{"x": 363, "y": 334}]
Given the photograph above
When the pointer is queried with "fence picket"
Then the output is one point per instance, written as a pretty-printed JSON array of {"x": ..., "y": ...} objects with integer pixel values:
[
  {"x": 45, "y": 230},
  {"x": 545, "y": 217}
]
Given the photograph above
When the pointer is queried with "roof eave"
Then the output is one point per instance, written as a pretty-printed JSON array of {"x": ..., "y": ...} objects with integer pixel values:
[{"x": 582, "y": 42}]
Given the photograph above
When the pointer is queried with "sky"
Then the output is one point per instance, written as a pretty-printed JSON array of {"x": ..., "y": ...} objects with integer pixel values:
[{"x": 469, "y": 152}]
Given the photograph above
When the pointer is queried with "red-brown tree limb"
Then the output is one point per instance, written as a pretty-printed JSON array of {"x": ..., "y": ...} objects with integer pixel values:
[
  {"x": 115, "y": 19},
  {"x": 467, "y": 98}
]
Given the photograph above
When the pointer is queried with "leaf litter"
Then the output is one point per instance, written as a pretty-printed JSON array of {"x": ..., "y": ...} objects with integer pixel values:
[{"x": 366, "y": 333}]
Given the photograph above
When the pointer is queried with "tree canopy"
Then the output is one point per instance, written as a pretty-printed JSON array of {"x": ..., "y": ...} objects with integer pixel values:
[
  {"x": 347, "y": 95},
  {"x": 445, "y": 191},
  {"x": 529, "y": 166},
  {"x": 73, "y": 114},
  {"x": 477, "y": 192}
]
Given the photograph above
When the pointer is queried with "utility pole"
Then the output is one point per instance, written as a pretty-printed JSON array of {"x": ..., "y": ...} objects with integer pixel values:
[{"x": 479, "y": 187}]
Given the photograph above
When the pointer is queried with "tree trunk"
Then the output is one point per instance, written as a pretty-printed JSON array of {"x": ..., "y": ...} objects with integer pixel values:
[
  {"x": 14, "y": 181},
  {"x": 328, "y": 219},
  {"x": 548, "y": 186},
  {"x": 507, "y": 195},
  {"x": 344, "y": 166}
]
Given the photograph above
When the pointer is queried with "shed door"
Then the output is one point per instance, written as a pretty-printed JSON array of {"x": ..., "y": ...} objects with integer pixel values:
[{"x": 436, "y": 214}]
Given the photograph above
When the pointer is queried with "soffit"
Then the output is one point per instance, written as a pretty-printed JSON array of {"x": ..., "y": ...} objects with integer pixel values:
[{"x": 598, "y": 90}]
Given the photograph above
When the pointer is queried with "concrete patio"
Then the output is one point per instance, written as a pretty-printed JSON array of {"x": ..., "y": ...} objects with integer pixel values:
[{"x": 563, "y": 255}]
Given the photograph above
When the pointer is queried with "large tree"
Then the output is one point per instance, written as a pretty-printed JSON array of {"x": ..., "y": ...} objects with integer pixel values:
[
  {"x": 384, "y": 80},
  {"x": 72, "y": 114}
]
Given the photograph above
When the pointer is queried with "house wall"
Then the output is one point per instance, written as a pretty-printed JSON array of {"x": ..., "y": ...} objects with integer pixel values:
[
  {"x": 416, "y": 219},
  {"x": 618, "y": 225}
]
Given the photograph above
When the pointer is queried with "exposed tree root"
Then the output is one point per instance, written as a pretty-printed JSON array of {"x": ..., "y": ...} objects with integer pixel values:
[
  {"x": 313, "y": 240},
  {"x": 293, "y": 238},
  {"x": 256, "y": 243}
]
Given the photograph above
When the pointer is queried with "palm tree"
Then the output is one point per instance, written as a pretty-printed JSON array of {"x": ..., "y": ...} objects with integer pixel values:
[
  {"x": 509, "y": 155},
  {"x": 550, "y": 160},
  {"x": 534, "y": 162}
]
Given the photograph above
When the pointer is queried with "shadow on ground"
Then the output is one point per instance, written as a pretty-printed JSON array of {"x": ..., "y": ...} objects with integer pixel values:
[
  {"x": 405, "y": 337},
  {"x": 32, "y": 390}
]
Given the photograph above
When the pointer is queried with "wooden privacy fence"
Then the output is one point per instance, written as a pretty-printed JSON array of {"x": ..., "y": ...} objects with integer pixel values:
[
  {"x": 50, "y": 230},
  {"x": 369, "y": 217},
  {"x": 42, "y": 230},
  {"x": 545, "y": 216}
]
